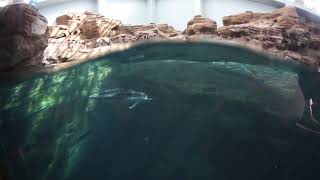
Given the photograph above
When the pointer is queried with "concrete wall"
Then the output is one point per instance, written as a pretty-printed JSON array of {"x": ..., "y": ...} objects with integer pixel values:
[
  {"x": 51, "y": 11},
  {"x": 128, "y": 11},
  {"x": 174, "y": 12},
  {"x": 216, "y": 9}
]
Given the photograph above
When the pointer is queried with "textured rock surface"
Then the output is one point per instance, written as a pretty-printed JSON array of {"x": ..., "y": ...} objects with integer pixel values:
[
  {"x": 200, "y": 25},
  {"x": 240, "y": 18},
  {"x": 283, "y": 33},
  {"x": 145, "y": 32},
  {"x": 80, "y": 36},
  {"x": 63, "y": 20},
  {"x": 23, "y": 37},
  {"x": 88, "y": 35}
]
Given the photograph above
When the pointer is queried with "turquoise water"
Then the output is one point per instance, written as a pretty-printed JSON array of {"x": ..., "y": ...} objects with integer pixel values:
[{"x": 164, "y": 111}]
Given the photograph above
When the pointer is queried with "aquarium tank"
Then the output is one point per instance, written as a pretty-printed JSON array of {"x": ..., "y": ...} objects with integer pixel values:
[{"x": 159, "y": 90}]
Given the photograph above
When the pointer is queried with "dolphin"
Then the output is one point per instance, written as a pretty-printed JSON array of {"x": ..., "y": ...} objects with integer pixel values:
[{"x": 134, "y": 98}]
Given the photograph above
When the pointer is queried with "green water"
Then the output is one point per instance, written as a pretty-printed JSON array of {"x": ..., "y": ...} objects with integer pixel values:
[{"x": 198, "y": 111}]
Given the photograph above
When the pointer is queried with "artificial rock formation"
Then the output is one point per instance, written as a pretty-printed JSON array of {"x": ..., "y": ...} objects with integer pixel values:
[
  {"x": 79, "y": 36},
  {"x": 283, "y": 33},
  {"x": 240, "y": 18},
  {"x": 200, "y": 25},
  {"x": 89, "y": 35},
  {"x": 145, "y": 32},
  {"x": 23, "y": 37}
]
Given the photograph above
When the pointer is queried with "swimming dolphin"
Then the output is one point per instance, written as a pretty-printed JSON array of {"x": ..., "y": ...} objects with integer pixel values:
[{"x": 133, "y": 97}]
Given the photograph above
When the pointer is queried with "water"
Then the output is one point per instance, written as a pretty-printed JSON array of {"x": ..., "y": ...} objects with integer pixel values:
[{"x": 164, "y": 111}]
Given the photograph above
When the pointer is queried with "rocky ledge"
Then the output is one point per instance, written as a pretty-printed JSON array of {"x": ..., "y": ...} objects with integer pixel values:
[{"x": 283, "y": 33}]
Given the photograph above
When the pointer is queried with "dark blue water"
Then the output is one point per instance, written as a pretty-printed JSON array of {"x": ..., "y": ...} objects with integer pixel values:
[{"x": 164, "y": 111}]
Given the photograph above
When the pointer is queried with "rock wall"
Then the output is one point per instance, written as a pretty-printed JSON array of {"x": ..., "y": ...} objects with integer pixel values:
[
  {"x": 80, "y": 36},
  {"x": 283, "y": 33},
  {"x": 200, "y": 25},
  {"x": 23, "y": 37},
  {"x": 89, "y": 35}
]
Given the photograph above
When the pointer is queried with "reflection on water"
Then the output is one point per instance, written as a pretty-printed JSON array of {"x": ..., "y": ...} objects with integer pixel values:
[
  {"x": 177, "y": 111},
  {"x": 311, "y": 119}
]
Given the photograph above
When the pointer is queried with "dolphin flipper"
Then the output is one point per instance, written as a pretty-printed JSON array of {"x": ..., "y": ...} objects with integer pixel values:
[{"x": 134, "y": 105}]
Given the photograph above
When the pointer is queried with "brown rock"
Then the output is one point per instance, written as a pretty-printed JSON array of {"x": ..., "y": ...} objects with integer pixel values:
[
  {"x": 150, "y": 31},
  {"x": 108, "y": 27},
  {"x": 78, "y": 35},
  {"x": 63, "y": 20},
  {"x": 123, "y": 38},
  {"x": 289, "y": 55},
  {"x": 267, "y": 44},
  {"x": 86, "y": 32},
  {"x": 89, "y": 29},
  {"x": 23, "y": 36},
  {"x": 283, "y": 33},
  {"x": 200, "y": 25},
  {"x": 286, "y": 17},
  {"x": 240, "y": 18},
  {"x": 58, "y": 31},
  {"x": 88, "y": 25}
]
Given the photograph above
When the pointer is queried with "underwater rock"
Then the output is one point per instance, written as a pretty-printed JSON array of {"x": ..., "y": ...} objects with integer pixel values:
[
  {"x": 282, "y": 32},
  {"x": 23, "y": 37},
  {"x": 200, "y": 25}
]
